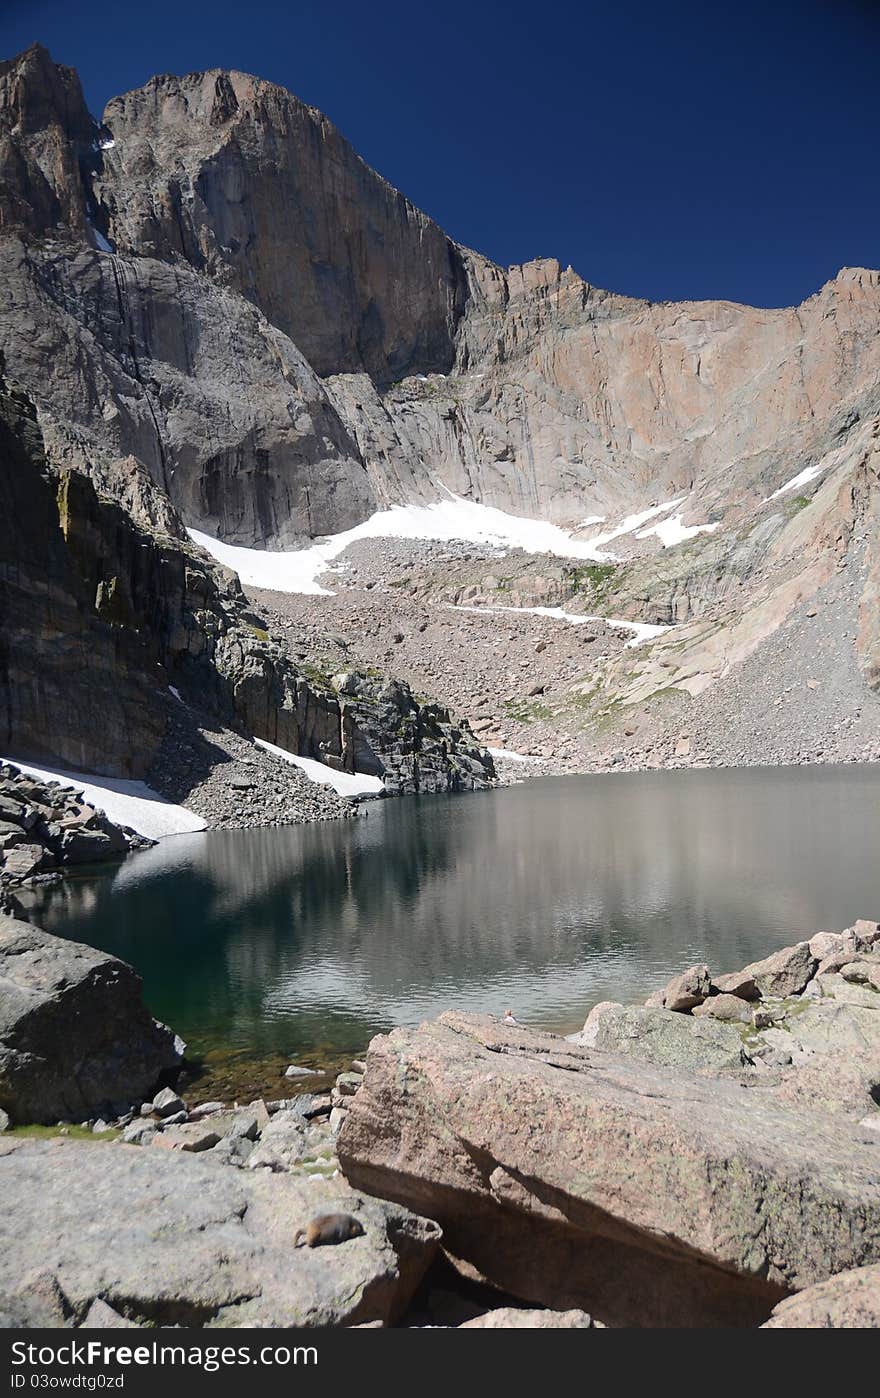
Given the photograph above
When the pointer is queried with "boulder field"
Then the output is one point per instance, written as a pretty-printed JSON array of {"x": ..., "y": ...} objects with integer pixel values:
[{"x": 46, "y": 829}]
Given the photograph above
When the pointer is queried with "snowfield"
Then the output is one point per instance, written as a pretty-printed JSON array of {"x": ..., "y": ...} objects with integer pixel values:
[
  {"x": 444, "y": 521},
  {"x": 671, "y": 531}
]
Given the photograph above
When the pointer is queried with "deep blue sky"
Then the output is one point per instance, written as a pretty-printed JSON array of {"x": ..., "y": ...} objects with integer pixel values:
[{"x": 677, "y": 150}]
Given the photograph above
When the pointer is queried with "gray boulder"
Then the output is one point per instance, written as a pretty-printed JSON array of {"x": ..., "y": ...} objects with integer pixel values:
[
  {"x": 283, "y": 1143},
  {"x": 662, "y": 1037},
  {"x": 688, "y": 989},
  {"x": 100, "y": 1316},
  {"x": 75, "y": 1034},
  {"x": 730, "y": 1009},
  {"x": 738, "y": 983},
  {"x": 34, "y": 1301},
  {"x": 170, "y": 1239},
  {"x": 784, "y": 973}
]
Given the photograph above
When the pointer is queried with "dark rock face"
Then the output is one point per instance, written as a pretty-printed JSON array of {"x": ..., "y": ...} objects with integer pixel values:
[
  {"x": 99, "y": 612},
  {"x": 413, "y": 746},
  {"x": 75, "y": 1035},
  {"x": 63, "y": 657},
  {"x": 137, "y": 358}
]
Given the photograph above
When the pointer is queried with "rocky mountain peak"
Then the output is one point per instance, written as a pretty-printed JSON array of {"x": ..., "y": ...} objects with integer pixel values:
[
  {"x": 262, "y": 193},
  {"x": 46, "y": 133}
]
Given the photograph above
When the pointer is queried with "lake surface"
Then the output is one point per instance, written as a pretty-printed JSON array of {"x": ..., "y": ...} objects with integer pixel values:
[{"x": 262, "y": 946}]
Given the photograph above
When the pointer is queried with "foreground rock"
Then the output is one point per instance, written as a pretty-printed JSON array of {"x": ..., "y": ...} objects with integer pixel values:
[
  {"x": 850, "y": 1301},
  {"x": 576, "y": 1178},
  {"x": 75, "y": 1035},
  {"x": 508, "y": 1318},
  {"x": 172, "y": 1239}
]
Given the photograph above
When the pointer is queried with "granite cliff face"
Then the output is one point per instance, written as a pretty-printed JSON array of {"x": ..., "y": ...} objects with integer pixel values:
[{"x": 259, "y": 191}]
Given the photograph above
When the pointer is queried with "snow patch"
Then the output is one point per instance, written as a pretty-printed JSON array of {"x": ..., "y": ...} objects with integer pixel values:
[
  {"x": 507, "y": 754},
  {"x": 128, "y": 803},
  {"x": 808, "y": 474},
  {"x": 443, "y": 521},
  {"x": 828, "y": 462},
  {"x": 671, "y": 531},
  {"x": 642, "y": 630},
  {"x": 297, "y": 570},
  {"x": 632, "y": 523},
  {"x": 343, "y": 783}
]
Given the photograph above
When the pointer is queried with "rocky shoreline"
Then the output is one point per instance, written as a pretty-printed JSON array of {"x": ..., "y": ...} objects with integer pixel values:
[
  {"x": 709, "y": 1158},
  {"x": 47, "y": 830}
]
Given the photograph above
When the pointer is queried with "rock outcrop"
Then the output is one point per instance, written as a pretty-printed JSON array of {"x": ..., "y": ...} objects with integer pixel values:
[
  {"x": 75, "y": 1036},
  {"x": 658, "y": 1036},
  {"x": 165, "y": 1238},
  {"x": 572, "y": 1177},
  {"x": 262, "y": 193},
  {"x": 807, "y": 1018},
  {"x": 415, "y": 746},
  {"x": 45, "y": 828}
]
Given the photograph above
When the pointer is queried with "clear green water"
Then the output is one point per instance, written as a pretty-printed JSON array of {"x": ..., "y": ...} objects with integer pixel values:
[{"x": 262, "y": 946}]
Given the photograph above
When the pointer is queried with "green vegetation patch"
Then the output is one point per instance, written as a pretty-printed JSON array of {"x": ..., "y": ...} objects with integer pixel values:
[
  {"x": 793, "y": 507},
  {"x": 526, "y": 710},
  {"x": 73, "y": 1133},
  {"x": 593, "y": 577}
]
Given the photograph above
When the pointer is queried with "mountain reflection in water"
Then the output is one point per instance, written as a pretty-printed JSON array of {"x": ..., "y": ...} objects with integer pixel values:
[{"x": 547, "y": 896}]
